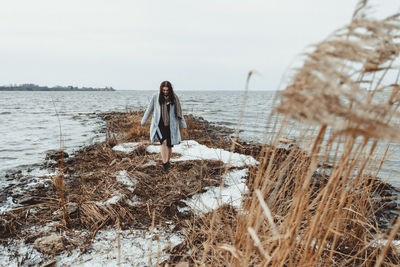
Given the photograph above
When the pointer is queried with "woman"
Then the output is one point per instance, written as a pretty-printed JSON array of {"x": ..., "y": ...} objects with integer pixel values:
[{"x": 165, "y": 121}]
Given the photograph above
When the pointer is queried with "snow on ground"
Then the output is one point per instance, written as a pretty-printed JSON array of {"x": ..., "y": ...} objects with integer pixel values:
[
  {"x": 126, "y": 147},
  {"x": 383, "y": 242},
  {"x": 8, "y": 205},
  {"x": 112, "y": 200},
  {"x": 124, "y": 178},
  {"x": 191, "y": 150},
  {"x": 137, "y": 247},
  {"x": 235, "y": 182},
  {"x": 35, "y": 177},
  {"x": 231, "y": 193}
]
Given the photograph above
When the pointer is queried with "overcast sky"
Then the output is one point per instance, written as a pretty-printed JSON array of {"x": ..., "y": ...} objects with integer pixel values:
[{"x": 134, "y": 45}]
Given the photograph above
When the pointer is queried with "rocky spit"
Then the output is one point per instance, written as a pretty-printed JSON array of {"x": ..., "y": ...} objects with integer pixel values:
[{"x": 114, "y": 191}]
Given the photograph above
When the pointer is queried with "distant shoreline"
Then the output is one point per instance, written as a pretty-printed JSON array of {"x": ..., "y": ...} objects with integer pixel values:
[{"x": 33, "y": 87}]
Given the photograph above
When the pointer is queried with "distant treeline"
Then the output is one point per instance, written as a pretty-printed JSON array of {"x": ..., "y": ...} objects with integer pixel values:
[{"x": 34, "y": 87}]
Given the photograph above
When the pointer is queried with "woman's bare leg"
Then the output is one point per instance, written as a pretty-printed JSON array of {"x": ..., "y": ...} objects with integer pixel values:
[
  {"x": 169, "y": 153},
  {"x": 164, "y": 152}
]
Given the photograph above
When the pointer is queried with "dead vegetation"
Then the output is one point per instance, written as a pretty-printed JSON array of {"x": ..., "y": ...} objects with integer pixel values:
[
  {"x": 296, "y": 214},
  {"x": 90, "y": 182}
]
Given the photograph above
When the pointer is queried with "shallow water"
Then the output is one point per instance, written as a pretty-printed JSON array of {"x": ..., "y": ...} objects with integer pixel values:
[{"x": 30, "y": 121}]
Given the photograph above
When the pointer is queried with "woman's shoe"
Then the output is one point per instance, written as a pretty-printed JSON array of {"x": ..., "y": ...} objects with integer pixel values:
[{"x": 165, "y": 167}]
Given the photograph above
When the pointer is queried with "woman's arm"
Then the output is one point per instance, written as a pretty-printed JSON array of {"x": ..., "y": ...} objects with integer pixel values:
[{"x": 148, "y": 112}]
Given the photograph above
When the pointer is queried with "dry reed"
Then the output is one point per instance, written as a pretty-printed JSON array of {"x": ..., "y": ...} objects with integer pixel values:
[{"x": 296, "y": 214}]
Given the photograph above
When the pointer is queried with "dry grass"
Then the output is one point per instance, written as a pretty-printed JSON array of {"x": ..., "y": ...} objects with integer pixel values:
[
  {"x": 296, "y": 215},
  {"x": 88, "y": 179}
]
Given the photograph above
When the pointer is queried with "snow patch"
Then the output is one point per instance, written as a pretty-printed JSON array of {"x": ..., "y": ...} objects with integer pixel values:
[
  {"x": 191, "y": 150},
  {"x": 232, "y": 193},
  {"x": 124, "y": 178},
  {"x": 126, "y": 147},
  {"x": 112, "y": 200},
  {"x": 137, "y": 249}
]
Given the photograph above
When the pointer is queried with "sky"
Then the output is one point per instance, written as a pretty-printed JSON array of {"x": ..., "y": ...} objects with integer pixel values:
[{"x": 135, "y": 45}]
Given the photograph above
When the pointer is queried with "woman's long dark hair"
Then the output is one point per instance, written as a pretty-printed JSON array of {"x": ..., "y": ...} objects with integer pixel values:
[{"x": 170, "y": 93}]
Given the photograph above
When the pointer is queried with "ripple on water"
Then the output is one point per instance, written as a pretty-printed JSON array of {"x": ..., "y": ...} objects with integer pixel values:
[{"x": 8, "y": 158}]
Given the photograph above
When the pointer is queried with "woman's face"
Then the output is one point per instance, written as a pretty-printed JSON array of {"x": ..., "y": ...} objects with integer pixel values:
[{"x": 165, "y": 90}]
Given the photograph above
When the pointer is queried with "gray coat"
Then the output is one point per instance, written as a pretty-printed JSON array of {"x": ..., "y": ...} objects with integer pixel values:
[{"x": 173, "y": 123}]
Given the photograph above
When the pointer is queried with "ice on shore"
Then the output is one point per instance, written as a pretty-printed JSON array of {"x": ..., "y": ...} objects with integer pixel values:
[
  {"x": 231, "y": 193},
  {"x": 35, "y": 177},
  {"x": 126, "y": 147},
  {"x": 124, "y": 178},
  {"x": 137, "y": 248},
  {"x": 191, "y": 150}
]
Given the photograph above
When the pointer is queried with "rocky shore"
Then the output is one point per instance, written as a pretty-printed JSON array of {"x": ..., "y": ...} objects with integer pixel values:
[{"x": 109, "y": 203}]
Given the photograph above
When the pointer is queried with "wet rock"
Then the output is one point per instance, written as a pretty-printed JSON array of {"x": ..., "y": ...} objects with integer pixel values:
[
  {"x": 3, "y": 197},
  {"x": 50, "y": 244},
  {"x": 55, "y": 154},
  {"x": 70, "y": 161},
  {"x": 27, "y": 200}
]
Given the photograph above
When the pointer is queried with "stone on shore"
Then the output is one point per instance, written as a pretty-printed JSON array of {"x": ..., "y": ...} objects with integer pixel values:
[
  {"x": 55, "y": 154},
  {"x": 50, "y": 244}
]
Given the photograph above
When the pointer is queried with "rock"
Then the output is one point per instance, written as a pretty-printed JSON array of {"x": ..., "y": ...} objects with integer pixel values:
[
  {"x": 50, "y": 244},
  {"x": 55, "y": 155},
  {"x": 3, "y": 196},
  {"x": 27, "y": 200},
  {"x": 70, "y": 208}
]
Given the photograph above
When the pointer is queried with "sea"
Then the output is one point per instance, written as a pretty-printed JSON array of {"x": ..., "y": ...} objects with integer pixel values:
[{"x": 32, "y": 123}]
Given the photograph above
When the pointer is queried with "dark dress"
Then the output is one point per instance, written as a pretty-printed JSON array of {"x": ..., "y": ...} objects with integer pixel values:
[{"x": 165, "y": 131}]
